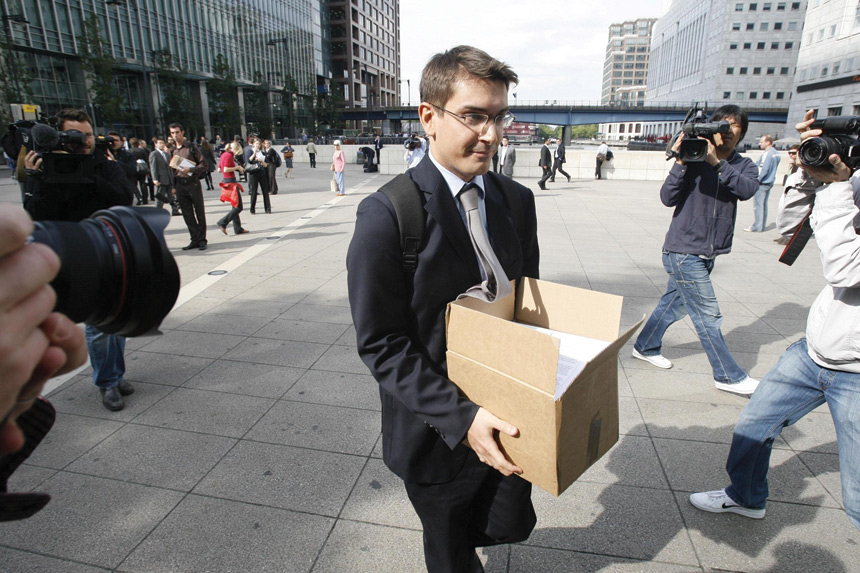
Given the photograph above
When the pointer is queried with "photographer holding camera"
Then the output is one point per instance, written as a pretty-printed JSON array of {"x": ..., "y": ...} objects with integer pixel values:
[
  {"x": 75, "y": 201},
  {"x": 824, "y": 366},
  {"x": 416, "y": 148},
  {"x": 704, "y": 186}
]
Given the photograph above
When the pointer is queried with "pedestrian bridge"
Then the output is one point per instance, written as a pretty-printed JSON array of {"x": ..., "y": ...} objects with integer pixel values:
[{"x": 579, "y": 113}]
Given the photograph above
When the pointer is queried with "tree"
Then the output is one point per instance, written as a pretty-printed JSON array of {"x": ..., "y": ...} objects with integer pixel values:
[
  {"x": 177, "y": 104},
  {"x": 99, "y": 68},
  {"x": 551, "y": 131},
  {"x": 584, "y": 131},
  {"x": 224, "y": 98},
  {"x": 327, "y": 109},
  {"x": 16, "y": 83},
  {"x": 257, "y": 110}
]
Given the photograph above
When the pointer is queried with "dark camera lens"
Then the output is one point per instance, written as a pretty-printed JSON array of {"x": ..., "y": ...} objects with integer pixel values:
[
  {"x": 693, "y": 150},
  {"x": 116, "y": 273},
  {"x": 815, "y": 151}
]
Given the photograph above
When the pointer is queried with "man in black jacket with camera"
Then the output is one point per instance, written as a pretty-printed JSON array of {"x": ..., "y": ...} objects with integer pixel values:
[{"x": 74, "y": 202}]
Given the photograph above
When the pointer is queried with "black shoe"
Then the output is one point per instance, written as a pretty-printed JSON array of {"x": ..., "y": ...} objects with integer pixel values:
[
  {"x": 145, "y": 202},
  {"x": 203, "y": 244},
  {"x": 175, "y": 213},
  {"x": 273, "y": 193},
  {"x": 568, "y": 178},
  {"x": 552, "y": 180},
  {"x": 125, "y": 388},
  {"x": 543, "y": 187},
  {"x": 268, "y": 211},
  {"x": 191, "y": 245},
  {"x": 139, "y": 203},
  {"x": 112, "y": 399},
  {"x": 253, "y": 212}
]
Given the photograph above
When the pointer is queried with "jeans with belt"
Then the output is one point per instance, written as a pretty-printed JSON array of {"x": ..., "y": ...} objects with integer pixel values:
[
  {"x": 792, "y": 389},
  {"x": 690, "y": 292}
]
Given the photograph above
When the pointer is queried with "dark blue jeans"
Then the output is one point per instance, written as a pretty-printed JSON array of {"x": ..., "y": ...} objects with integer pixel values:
[
  {"x": 690, "y": 292},
  {"x": 233, "y": 215},
  {"x": 106, "y": 356}
]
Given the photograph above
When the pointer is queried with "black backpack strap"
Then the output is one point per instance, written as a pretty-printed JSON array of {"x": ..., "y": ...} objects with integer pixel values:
[{"x": 409, "y": 209}]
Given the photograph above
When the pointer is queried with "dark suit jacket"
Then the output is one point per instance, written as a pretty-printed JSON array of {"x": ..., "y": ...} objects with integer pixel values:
[
  {"x": 559, "y": 152},
  {"x": 400, "y": 324},
  {"x": 158, "y": 168},
  {"x": 545, "y": 157}
]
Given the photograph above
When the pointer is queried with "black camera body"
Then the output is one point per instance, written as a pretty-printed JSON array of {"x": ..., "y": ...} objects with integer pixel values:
[
  {"x": 696, "y": 125},
  {"x": 839, "y": 135},
  {"x": 412, "y": 143}
]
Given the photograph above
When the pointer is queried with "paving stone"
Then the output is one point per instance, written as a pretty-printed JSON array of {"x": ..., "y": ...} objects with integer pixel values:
[
  {"x": 277, "y": 352},
  {"x": 527, "y": 558},
  {"x": 380, "y": 497},
  {"x": 162, "y": 368},
  {"x": 356, "y": 546},
  {"x": 225, "y": 324},
  {"x": 206, "y": 534},
  {"x": 91, "y": 520},
  {"x": 70, "y": 437},
  {"x": 329, "y": 428},
  {"x": 83, "y": 398},
  {"x": 247, "y": 378},
  {"x": 336, "y": 389},
  {"x": 154, "y": 456},
  {"x": 341, "y": 359},
  {"x": 302, "y": 331},
  {"x": 285, "y": 477},
  {"x": 27, "y": 562},
  {"x": 215, "y": 413},
  {"x": 199, "y": 344}
]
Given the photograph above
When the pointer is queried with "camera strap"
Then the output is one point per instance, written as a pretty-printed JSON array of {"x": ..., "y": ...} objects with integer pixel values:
[{"x": 797, "y": 242}]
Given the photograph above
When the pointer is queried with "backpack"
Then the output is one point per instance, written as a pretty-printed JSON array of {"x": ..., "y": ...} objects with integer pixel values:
[
  {"x": 609, "y": 155},
  {"x": 278, "y": 162},
  {"x": 408, "y": 202}
]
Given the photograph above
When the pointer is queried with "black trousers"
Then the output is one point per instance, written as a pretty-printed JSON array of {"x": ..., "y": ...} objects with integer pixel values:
[
  {"x": 164, "y": 190},
  {"x": 557, "y": 166},
  {"x": 478, "y": 508},
  {"x": 597, "y": 168},
  {"x": 233, "y": 216},
  {"x": 259, "y": 179},
  {"x": 546, "y": 174},
  {"x": 313, "y": 158},
  {"x": 190, "y": 198}
]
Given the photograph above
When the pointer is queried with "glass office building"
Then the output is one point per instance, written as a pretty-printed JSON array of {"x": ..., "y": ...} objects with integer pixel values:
[{"x": 278, "y": 50}]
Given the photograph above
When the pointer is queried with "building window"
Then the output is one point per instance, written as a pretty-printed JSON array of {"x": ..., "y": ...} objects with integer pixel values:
[
  {"x": 751, "y": 26},
  {"x": 789, "y": 45},
  {"x": 792, "y": 26},
  {"x": 774, "y": 45},
  {"x": 795, "y": 5},
  {"x": 834, "y": 111},
  {"x": 856, "y": 110},
  {"x": 747, "y": 45},
  {"x": 780, "y": 6},
  {"x": 739, "y": 95},
  {"x": 739, "y": 7},
  {"x": 765, "y": 95},
  {"x": 733, "y": 46},
  {"x": 780, "y": 95},
  {"x": 832, "y": 30},
  {"x": 753, "y": 6},
  {"x": 743, "y": 71},
  {"x": 727, "y": 95},
  {"x": 823, "y": 71},
  {"x": 777, "y": 26},
  {"x": 836, "y": 68},
  {"x": 759, "y": 46},
  {"x": 803, "y": 75},
  {"x": 736, "y": 27},
  {"x": 753, "y": 95},
  {"x": 730, "y": 71},
  {"x": 771, "y": 71},
  {"x": 756, "y": 71},
  {"x": 764, "y": 27}
]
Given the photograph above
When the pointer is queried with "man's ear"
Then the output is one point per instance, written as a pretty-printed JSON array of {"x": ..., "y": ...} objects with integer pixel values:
[{"x": 428, "y": 119}]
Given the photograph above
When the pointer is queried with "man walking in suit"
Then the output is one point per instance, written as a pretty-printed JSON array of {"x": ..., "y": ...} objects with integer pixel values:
[
  {"x": 559, "y": 161},
  {"x": 162, "y": 175},
  {"x": 545, "y": 163},
  {"x": 377, "y": 148},
  {"x": 507, "y": 158},
  {"x": 442, "y": 445}
]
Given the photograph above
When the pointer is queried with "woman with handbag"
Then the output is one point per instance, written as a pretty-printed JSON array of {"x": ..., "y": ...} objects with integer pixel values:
[
  {"x": 274, "y": 162},
  {"x": 258, "y": 176},
  {"x": 338, "y": 165},
  {"x": 209, "y": 156},
  {"x": 231, "y": 189},
  {"x": 287, "y": 151}
]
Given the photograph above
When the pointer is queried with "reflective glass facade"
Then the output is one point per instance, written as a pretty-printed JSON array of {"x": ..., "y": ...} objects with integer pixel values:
[{"x": 263, "y": 41}]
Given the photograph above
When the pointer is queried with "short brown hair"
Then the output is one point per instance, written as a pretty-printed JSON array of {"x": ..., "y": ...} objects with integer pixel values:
[
  {"x": 445, "y": 68},
  {"x": 72, "y": 114}
]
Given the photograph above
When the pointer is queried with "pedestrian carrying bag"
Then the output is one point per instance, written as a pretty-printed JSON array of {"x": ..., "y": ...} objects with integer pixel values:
[{"x": 253, "y": 168}]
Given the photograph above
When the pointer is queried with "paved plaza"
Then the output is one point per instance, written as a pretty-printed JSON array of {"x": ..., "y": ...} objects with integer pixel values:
[{"x": 252, "y": 441}]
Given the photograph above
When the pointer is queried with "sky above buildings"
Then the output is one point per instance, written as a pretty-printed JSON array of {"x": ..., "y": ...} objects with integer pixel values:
[{"x": 557, "y": 47}]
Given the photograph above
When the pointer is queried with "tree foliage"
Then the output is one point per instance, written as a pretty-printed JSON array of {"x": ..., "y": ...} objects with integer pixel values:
[
  {"x": 223, "y": 97},
  {"x": 99, "y": 68},
  {"x": 16, "y": 83},
  {"x": 584, "y": 131},
  {"x": 327, "y": 111},
  {"x": 257, "y": 107},
  {"x": 177, "y": 103}
]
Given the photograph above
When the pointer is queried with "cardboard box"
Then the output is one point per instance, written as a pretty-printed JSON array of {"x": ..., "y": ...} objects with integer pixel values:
[{"x": 511, "y": 371}]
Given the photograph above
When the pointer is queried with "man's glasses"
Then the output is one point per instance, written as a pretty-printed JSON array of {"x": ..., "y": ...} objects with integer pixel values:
[
  {"x": 479, "y": 120},
  {"x": 792, "y": 153}
]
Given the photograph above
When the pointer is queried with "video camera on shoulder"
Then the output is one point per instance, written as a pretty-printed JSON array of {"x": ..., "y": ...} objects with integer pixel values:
[
  {"x": 839, "y": 135},
  {"x": 56, "y": 149},
  {"x": 413, "y": 143},
  {"x": 696, "y": 125}
]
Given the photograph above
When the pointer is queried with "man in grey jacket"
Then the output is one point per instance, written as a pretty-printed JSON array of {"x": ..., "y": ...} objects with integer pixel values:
[
  {"x": 162, "y": 175},
  {"x": 822, "y": 367},
  {"x": 705, "y": 197}
]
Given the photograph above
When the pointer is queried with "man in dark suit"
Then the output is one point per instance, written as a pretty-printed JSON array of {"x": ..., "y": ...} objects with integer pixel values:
[
  {"x": 442, "y": 445},
  {"x": 545, "y": 163},
  {"x": 162, "y": 175},
  {"x": 559, "y": 161},
  {"x": 377, "y": 148}
]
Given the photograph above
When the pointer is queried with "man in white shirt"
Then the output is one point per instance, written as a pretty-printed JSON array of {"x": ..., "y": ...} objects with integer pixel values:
[{"x": 602, "y": 152}]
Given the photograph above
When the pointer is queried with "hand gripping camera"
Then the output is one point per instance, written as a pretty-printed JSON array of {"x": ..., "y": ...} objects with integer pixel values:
[
  {"x": 839, "y": 136},
  {"x": 693, "y": 149}
]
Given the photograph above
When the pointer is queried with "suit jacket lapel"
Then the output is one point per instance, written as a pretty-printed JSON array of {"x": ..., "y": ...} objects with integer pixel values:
[
  {"x": 443, "y": 208},
  {"x": 503, "y": 236}
]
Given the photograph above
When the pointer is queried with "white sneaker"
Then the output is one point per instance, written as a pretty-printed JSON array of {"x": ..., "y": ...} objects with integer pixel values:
[
  {"x": 746, "y": 386},
  {"x": 749, "y": 229},
  {"x": 657, "y": 360},
  {"x": 718, "y": 502}
]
